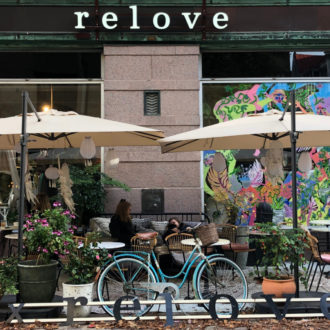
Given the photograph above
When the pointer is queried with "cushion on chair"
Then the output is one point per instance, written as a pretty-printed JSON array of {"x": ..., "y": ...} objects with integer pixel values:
[
  {"x": 325, "y": 257},
  {"x": 236, "y": 246}
]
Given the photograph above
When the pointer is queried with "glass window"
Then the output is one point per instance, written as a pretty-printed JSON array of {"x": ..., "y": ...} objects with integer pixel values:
[
  {"x": 265, "y": 64},
  {"x": 54, "y": 65},
  {"x": 247, "y": 177}
]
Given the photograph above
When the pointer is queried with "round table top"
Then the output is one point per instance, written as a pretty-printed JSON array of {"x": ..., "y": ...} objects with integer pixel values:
[
  {"x": 191, "y": 241},
  {"x": 8, "y": 228},
  {"x": 110, "y": 245},
  {"x": 320, "y": 222},
  {"x": 11, "y": 236},
  {"x": 258, "y": 233},
  {"x": 106, "y": 245},
  {"x": 320, "y": 229}
]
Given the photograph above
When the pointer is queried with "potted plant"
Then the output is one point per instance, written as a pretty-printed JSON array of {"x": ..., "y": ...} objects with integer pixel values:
[
  {"x": 89, "y": 190},
  {"x": 46, "y": 238},
  {"x": 280, "y": 250},
  {"x": 82, "y": 266},
  {"x": 8, "y": 276}
]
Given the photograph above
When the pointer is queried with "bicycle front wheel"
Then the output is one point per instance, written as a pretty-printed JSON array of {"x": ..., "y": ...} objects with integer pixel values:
[
  {"x": 126, "y": 277},
  {"x": 220, "y": 276}
]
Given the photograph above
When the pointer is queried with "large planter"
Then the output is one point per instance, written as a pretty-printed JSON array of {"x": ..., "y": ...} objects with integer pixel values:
[
  {"x": 79, "y": 290},
  {"x": 37, "y": 283},
  {"x": 278, "y": 287}
]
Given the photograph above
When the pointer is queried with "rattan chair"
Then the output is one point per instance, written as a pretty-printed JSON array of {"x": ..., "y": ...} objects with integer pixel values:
[
  {"x": 319, "y": 259},
  {"x": 141, "y": 244},
  {"x": 229, "y": 231}
]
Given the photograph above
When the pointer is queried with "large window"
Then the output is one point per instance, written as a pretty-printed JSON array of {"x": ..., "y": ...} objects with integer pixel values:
[{"x": 249, "y": 176}]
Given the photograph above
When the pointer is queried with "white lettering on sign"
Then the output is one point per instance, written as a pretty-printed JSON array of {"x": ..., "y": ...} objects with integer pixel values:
[
  {"x": 190, "y": 23},
  {"x": 160, "y": 21},
  {"x": 134, "y": 25},
  {"x": 109, "y": 17},
  {"x": 155, "y": 21},
  {"x": 80, "y": 15},
  {"x": 220, "y": 17}
]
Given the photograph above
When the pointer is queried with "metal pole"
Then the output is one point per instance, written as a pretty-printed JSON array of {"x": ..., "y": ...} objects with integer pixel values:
[
  {"x": 293, "y": 135},
  {"x": 24, "y": 137}
]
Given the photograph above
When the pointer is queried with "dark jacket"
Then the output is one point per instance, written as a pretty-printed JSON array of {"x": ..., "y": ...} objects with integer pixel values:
[
  {"x": 182, "y": 229},
  {"x": 121, "y": 230}
]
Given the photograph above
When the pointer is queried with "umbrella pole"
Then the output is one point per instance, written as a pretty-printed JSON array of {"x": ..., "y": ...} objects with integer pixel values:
[
  {"x": 23, "y": 142},
  {"x": 293, "y": 136}
]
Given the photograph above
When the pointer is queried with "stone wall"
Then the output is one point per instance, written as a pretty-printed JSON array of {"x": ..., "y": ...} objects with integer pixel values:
[{"x": 173, "y": 70}]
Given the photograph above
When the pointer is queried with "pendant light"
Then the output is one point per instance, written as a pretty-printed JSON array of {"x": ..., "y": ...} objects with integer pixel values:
[{"x": 88, "y": 150}]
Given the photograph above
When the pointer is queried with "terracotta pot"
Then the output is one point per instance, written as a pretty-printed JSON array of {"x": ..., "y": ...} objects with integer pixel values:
[{"x": 278, "y": 287}]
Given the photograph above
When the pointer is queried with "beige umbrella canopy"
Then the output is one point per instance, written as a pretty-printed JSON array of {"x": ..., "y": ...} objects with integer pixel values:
[
  {"x": 59, "y": 129},
  {"x": 253, "y": 132}
]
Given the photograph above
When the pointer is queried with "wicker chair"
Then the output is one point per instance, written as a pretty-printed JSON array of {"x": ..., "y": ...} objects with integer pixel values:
[
  {"x": 229, "y": 231},
  {"x": 320, "y": 259},
  {"x": 141, "y": 244}
]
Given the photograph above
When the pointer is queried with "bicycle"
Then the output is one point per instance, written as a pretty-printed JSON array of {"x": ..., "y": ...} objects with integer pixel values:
[{"x": 132, "y": 274}]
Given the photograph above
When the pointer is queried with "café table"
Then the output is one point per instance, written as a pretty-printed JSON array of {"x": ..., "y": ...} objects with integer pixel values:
[
  {"x": 11, "y": 238},
  {"x": 106, "y": 245},
  {"x": 191, "y": 242}
]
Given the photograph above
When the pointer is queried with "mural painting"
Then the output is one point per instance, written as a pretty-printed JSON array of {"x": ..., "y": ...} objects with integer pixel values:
[{"x": 235, "y": 181}]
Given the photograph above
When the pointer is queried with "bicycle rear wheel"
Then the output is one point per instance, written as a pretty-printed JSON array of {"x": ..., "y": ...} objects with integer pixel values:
[
  {"x": 126, "y": 277},
  {"x": 222, "y": 277}
]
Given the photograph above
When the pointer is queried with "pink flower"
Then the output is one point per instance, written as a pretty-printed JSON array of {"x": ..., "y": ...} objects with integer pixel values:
[
  {"x": 97, "y": 257},
  {"x": 65, "y": 243},
  {"x": 72, "y": 216},
  {"x": 74, "y": 227},
  {"x": 45, "y": 225},
  {"x": 109, "y": 255},
  {"x": 57, "y": 204},
  {"x": 66, "y": 212},
  {"x": 56, "y": 252},
  {"x": 44, "y": 250}
]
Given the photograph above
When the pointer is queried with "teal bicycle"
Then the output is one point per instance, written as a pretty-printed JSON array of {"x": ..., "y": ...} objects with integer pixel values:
[{"x": 138, "y": 274}]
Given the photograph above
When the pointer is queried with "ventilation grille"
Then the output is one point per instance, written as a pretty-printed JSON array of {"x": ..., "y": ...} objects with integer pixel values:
[{"x": 151, "y": 103}]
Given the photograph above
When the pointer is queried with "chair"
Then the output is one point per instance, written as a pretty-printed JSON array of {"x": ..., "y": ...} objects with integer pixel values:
[
  {"x": 143, "y": 244},
  {"x": 229, "y": 231},
  {"x": 320, "y": 259}
]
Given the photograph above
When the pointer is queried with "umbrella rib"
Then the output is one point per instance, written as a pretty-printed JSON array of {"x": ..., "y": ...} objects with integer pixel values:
[
  {"x": 146, "y": 135},
  {"x": 273, "y": 137},
  {"x": 52, "y": 136},
  {"x": 181, "y": 145}
]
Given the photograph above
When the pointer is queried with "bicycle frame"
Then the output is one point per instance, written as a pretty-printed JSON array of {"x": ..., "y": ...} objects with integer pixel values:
[{"x": 159, "y": 274}]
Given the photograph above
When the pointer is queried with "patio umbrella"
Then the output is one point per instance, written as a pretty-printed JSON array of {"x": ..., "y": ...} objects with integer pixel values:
[
  {"x": 253, "y": 132},
  {"x": 257, "y": 132},
  {"x": 57, "y": 129}
]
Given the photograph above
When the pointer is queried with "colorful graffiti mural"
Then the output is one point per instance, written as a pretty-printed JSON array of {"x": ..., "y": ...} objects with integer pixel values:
[{"x": 264, "y": 175}]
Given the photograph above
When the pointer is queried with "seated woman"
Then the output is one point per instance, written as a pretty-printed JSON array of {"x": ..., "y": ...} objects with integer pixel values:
[
  {"x": 121, "y": 226},
  {"x": 175, "y": 226}
]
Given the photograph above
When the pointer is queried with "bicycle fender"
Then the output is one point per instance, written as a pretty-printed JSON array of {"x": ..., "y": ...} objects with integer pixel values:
[{"x": 202, "y": 262}]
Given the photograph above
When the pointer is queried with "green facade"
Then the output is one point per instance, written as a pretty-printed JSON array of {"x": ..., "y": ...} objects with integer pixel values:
[{"x": 242, "y": 40}]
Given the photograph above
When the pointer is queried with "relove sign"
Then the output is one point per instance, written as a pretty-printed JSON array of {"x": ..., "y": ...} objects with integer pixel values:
[{"x": 160, "y": 20}]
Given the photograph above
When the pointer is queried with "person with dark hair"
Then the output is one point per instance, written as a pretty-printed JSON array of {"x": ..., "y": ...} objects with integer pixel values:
[
  {"x": 121, "y": 226},
  {"x": 175, "y": 226}
]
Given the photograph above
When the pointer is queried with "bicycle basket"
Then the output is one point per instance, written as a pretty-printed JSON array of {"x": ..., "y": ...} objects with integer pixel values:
[{"x": 208, "y": 234}]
